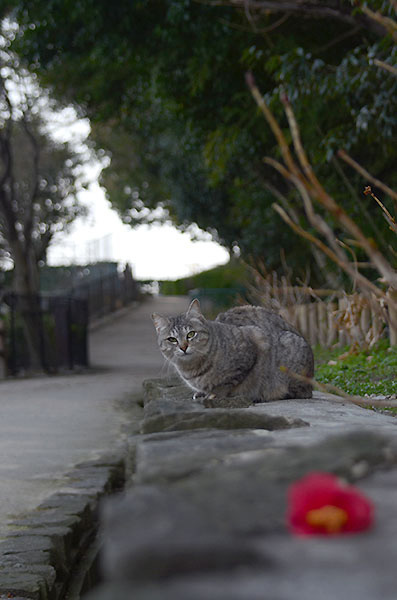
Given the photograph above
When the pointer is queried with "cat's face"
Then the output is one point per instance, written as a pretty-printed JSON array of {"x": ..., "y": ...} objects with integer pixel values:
[{"x": 184, "y": 338}]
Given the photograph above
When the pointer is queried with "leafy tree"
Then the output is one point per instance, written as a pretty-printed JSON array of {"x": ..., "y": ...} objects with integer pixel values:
[
  {"x": 39, "y": 179},
  {"x": 163, "y": 84}
]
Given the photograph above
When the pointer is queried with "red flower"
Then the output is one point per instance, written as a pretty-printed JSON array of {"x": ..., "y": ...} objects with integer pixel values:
[{"x": 320, "y": 504}]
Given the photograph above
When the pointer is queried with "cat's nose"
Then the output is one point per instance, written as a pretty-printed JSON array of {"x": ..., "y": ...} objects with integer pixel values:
[{"x": 183, "y": 346}]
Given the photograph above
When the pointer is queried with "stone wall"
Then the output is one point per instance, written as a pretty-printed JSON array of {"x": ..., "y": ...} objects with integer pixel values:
[
  {"x": 50, "y": 551},
  {"x": 203, "y": 517}
]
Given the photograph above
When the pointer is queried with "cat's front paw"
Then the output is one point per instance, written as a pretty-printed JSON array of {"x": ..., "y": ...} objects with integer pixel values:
[{"x": 206, "y": 399}]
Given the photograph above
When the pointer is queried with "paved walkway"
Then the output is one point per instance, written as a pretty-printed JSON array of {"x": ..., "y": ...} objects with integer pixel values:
[{"x": 49, "y": 424}]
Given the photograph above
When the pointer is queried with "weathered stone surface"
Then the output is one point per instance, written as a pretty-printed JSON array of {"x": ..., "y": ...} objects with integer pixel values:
[
  {"x": 218, "y": 418},
  {"x": 162, "y": 457},
  {"x": 170, "y": 535},
  {"x": 205, "y": 517},
  {"x": 40, "y": 518},
  {"x": 169, "y": 406},
  {"x": 329, "y": 415},
  {"x": 226, "y": 402},
  {"x": 359, "y": 567},
  {"x": 202, "y": 452},
  {"x": 71, "y": 504},
  {"x": 310, "y": 569},
  {"x": 228, "y": 505},
  {"x": 38, "y": 557},
  {"x": 25, "y": 584},
  {"x": 161, "y": 395},
  {"x": 19, "y": 577},
  {"x": 25, "y": 543},
  {"x": 155, "y": 389}
]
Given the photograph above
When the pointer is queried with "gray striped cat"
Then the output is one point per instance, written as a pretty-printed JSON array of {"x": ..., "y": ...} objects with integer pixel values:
[{"x": 241, "y": 353}]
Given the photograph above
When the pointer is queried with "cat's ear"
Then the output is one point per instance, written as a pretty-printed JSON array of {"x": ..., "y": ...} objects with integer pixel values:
[
  {"x": 159, "y": 321},
  {"x": 194, "y": 308}
]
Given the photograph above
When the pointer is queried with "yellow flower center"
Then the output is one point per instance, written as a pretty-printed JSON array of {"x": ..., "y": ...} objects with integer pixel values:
[{"x": 328, "y": 517}]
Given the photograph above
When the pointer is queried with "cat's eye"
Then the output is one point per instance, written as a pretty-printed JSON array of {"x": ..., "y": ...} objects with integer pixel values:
[
  {"x": 191, "y": 335},
  {"x": 172, "y": 340}
]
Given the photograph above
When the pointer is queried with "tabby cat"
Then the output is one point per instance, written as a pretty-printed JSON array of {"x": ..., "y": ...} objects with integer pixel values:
[{"x": 247, "y": 351}]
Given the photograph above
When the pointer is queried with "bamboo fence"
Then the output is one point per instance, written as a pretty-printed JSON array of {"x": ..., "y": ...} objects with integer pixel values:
[{"x": 345, "y": 320}]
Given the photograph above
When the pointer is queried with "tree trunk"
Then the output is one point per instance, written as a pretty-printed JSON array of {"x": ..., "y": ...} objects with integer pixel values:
[{"x": 26, "y": 288}]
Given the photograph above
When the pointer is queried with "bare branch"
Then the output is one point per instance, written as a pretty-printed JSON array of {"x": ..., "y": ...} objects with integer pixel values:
[
  {"x": 357, "y": 199},
  {"x": 283, "y": 200},
  {"x": 391, "y": 220},
  {"x": 339, "y": 38},
  {"x": 317, "y": 190},
  {"x": 386, "y": 66},
  {"x": 347, "y": 267},
  {"x": 301, "y": 154},
  {"x": 314, "y": 9},
  {"x": 388, "y": 24},
  {"x": 316, "y": 221},
  {"x": 349, "y": 225},
  {"x": 43, "y": 243},
  {"x": 382, "y": 186},
  {"x": 282, "y": 142}
]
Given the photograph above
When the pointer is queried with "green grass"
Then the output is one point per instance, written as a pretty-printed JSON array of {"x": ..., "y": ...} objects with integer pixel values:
[{"x": 369, "y": 372}]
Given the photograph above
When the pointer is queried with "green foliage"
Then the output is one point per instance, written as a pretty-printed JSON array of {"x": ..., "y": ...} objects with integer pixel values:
[
  {"x": 163, "y": 84},
  {"x": 231, "y": 276},
  {"x": 370, "y": 372}
]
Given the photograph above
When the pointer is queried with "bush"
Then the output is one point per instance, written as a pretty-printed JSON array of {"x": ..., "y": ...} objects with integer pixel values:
[{"x": 232, "y": 276}]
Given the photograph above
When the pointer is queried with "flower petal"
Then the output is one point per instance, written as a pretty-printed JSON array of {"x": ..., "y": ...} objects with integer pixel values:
[{"x": 318, "y": 490}]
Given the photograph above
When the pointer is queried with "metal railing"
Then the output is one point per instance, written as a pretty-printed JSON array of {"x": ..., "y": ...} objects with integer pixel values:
[
  {"x": 44, "y": 333},
  {"x": 49, "y": 332},
  {"x": 106, "y": 294}
]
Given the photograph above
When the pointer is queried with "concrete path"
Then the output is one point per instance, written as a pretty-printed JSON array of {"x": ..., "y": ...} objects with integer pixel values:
[{"x": 49, "y": 424}]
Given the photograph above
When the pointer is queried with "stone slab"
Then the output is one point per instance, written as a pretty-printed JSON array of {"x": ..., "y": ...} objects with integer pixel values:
[
  {"x": 205, "y": 514},
  {"x": 218, "y": 418},
  {"x": 162, "y": 457},
  {"x": 281, "y": 567}
]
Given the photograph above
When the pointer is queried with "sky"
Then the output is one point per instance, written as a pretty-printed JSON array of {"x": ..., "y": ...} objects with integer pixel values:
[{"x": 153, "y": 251}]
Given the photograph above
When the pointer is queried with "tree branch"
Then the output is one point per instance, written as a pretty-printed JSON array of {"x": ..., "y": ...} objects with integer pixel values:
[
  {"x": 7, "y": 178},
  {"x": 347, "y": 267},
  {"x": 310, "y": 188},
  {"x": 28, "y": 224},
  {"x": 315, "y": 220},
  {"x": 386, "y": 66},
  {"x": 382, "y": 186},
  {"x": 388, "y": 24},
  {"x": 282, "y": 142},
  {"x": 313, "y": 9}
]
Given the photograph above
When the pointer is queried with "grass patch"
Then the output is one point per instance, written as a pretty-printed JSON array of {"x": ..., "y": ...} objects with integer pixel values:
[{"x": 367, "y": 372}]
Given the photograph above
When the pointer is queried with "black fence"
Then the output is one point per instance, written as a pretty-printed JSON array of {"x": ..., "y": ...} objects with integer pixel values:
[
  {"x": 107, "y": 293},
  {"x": 44, "y": 333},
  {"x": 50, "y": 331}
]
